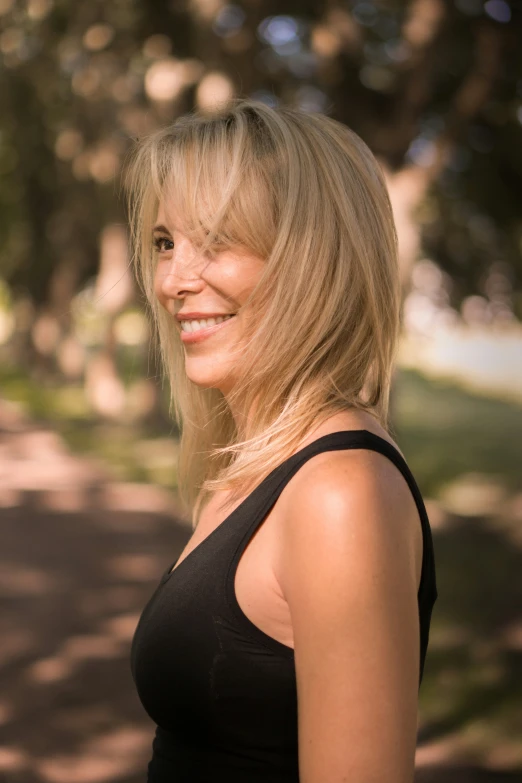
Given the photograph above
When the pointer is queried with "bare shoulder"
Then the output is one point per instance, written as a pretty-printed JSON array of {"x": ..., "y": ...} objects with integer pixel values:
[
  {"x": 348, "y": 575},
  {"x": 346, "y": 496},
  {"x": 367, "y": 490}
]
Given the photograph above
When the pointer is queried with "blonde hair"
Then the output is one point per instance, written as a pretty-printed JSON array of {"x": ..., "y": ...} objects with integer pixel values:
[{"x": 303, "y": 192}]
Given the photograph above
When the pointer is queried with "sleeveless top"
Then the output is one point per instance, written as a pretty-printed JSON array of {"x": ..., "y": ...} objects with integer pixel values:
[{"x": 221, "y": 691}]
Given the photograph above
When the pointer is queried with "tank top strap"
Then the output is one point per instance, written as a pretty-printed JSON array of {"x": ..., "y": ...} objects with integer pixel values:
[
  {"x": 264, "y": 496},
  {"x": 267, "y": 492}
]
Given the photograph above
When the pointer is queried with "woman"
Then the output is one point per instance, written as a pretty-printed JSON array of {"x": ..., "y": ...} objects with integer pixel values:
[{"x": 288, "y": 641}]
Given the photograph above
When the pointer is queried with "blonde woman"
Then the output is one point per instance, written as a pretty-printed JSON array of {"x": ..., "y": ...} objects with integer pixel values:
[{"x": 287, "y": 642}]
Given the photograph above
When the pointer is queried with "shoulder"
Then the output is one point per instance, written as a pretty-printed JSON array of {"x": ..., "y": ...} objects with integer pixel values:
[
  {"x": 347, "y": 573},
  {"x": 349, "y": 503}
]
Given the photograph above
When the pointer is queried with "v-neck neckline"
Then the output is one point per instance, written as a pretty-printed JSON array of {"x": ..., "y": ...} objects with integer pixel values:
[{"x": 173, "y": 567}]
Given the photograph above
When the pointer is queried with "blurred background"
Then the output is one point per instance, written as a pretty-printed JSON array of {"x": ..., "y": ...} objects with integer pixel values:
[{"x": 89, "y": 512}]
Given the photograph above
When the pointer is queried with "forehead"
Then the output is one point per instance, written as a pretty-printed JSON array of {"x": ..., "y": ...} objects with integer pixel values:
[{"x": 178, "y": 209}]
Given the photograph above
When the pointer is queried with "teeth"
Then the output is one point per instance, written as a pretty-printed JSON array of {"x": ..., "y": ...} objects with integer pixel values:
[{"x": 203, "y": 323}]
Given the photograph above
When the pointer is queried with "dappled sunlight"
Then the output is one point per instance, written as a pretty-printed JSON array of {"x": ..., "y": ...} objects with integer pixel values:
[
  {"x": 449, "y": 637},
  {"x": 473, "y": 493},
  {"x": 78, "y": 648},
  {"x": 122, "y": 627},
  {"x": 49, "y": 670},
  {"x": 74, "y": 499},
  {"x": 40, "y": 475},
  {"x": 39, "y": 460},
  {"x": 81, "y": 554},
  {"x": 74, "y": 598},
  {"x": 9, "y": 496},
  {"x": 138, "y": 497},
  {"x": 134, "y": 567},
  {"x": 19, "y": 579},
  {"x": 439, "y": 518},
  {"x": 12, "y": 759},
  {"x": 439, "y": 751},
  {"x": 93, "y": 766}
]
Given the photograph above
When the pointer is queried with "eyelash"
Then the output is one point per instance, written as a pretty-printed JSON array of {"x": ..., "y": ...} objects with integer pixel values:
[{"x": 156, "y": 243}]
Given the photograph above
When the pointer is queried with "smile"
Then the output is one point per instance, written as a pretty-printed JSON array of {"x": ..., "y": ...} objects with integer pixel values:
[{"x": 200, "y": 331}]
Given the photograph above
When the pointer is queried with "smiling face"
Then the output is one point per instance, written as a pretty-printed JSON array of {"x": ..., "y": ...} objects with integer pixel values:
[{"x": 187, "y": 283}]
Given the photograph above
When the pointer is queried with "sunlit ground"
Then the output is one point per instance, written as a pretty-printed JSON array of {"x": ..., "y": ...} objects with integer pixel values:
[{"x": 83, "y": 542}]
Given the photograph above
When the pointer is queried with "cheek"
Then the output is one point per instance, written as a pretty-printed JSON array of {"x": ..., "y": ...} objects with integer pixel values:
[
  {"x": 221, "y": 272},
  {"x": 234, "y": 277}
]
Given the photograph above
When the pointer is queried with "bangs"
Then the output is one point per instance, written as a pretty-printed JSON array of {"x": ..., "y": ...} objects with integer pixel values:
[{"x": 214, "y": 190}]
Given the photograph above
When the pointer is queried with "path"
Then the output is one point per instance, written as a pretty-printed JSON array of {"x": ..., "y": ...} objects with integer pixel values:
[{"x": 79, "y": 557}]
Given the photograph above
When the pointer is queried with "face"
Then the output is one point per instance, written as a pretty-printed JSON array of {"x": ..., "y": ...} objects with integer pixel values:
[{"x": 186, "y": 283}]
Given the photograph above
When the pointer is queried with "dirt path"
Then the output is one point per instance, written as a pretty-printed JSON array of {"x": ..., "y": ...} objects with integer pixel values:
[{"x": 79, "y": 557}]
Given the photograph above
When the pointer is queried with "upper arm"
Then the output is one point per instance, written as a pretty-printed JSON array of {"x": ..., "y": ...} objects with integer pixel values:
[{"x": 348, "y": 576}]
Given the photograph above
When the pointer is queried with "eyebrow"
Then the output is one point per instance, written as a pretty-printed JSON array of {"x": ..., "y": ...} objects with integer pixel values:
[{"x": 161, "y": 228}]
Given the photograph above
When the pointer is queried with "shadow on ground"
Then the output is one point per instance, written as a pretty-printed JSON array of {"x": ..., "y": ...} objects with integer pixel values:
[
  {"x": 72, "y": 588},
  {"x": 80, "y": 558}
]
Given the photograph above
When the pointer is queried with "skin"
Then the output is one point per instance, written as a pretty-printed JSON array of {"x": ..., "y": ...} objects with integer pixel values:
[
  {"x": 217, "y": 285},
  {"x": 344, "y": 546},
  {"x": 349, "y": 571}
]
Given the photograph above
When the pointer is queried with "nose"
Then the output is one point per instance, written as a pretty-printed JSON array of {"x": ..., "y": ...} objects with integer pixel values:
[{"x": 181, "y": 273}]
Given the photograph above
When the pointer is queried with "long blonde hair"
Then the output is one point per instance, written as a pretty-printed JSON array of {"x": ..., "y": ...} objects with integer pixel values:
[{"x": 303, "y": 192}]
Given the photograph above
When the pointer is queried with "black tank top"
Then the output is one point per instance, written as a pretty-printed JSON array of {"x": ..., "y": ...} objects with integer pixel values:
[{"x": 221, "y": 691}]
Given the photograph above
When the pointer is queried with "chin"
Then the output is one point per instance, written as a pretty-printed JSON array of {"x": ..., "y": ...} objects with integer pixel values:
[
  {"x": 203, "y": 383},
  {"x": 207, "y": 380}
]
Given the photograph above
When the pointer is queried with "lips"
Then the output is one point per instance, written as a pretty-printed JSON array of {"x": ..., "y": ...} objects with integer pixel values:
[{"x": 202, "y": 334}]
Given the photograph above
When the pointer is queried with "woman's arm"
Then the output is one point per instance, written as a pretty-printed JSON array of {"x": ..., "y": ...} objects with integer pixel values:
[{"x": 348, "y": 573}]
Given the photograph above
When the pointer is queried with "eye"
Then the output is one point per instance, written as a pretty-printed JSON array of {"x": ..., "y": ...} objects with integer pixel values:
[{"x": 156, "y": 244}]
